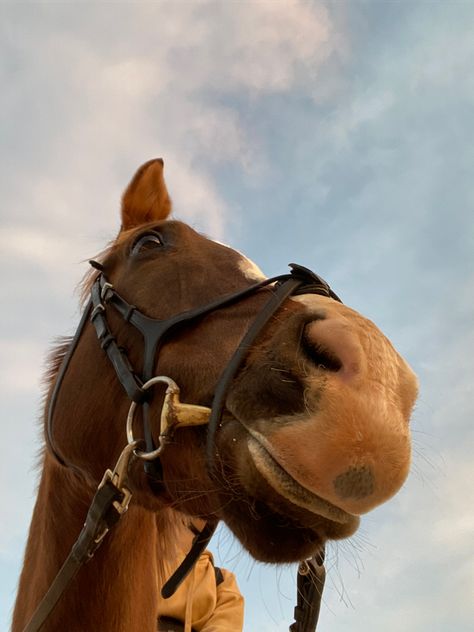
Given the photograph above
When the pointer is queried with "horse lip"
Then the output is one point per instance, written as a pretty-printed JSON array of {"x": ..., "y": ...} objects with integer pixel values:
[{"x": 287, "y": 487}]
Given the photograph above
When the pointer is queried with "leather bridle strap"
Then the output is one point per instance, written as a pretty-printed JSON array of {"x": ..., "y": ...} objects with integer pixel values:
[
  {"x": 285, "y": 289},
  {"x": 102, "y": 516},
  {"x": 200, "y": 542},
  {"x": 59, "y": 380},
  {"x": 310, "y": 584}
]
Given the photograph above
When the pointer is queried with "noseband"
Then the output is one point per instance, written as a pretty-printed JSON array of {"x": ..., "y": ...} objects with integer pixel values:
[{"x": 136, "y": 385}]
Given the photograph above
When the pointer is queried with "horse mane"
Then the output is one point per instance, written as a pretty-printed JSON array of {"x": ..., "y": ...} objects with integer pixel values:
[{"x": 54, "y": 359}]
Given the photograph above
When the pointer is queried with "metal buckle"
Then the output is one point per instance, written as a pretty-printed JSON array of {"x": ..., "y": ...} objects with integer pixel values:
[
  {"x": 105, "y": 289},
  {"x": 98, "y": 309},
  {"x": 313, "y": 565},
  {"x": 117, "y": 477}
]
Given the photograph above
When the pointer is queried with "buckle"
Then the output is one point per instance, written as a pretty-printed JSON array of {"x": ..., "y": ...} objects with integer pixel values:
[
  {"x": 106, "y": 290},
  {"x": 98, "y": 309}
]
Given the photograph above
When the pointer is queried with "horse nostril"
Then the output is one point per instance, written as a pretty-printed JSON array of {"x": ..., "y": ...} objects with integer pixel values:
[
  {"x": 319, "y": 355},
  {"x": 332, "y": 344}
]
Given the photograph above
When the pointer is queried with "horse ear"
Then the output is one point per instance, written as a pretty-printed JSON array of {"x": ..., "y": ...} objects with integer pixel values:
[{"x": 146, "y": 198}]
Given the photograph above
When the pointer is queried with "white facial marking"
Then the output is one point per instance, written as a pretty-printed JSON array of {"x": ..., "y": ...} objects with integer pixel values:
[{"x": 250, "y": 269}]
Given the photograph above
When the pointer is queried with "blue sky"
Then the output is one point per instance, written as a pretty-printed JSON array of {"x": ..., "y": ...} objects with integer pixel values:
[{"x": 339, "y": 135}]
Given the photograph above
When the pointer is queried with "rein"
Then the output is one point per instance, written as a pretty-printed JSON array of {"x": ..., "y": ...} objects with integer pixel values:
[{"x": 112, "y": 496}]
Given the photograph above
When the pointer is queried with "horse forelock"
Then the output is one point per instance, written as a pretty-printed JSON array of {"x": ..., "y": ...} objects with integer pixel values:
[{"x": 87, "y": 281}]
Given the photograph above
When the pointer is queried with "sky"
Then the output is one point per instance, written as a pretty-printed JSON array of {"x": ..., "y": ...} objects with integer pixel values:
[{"x": 336, "y": 134}]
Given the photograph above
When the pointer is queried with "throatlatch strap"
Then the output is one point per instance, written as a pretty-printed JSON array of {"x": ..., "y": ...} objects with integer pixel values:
[
  {"x": 59, "y": 380},
  {"x": 199, "y": 544}
]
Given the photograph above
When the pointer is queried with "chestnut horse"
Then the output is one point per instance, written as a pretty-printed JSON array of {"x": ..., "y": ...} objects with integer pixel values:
[{"x": 314, "y": 431}]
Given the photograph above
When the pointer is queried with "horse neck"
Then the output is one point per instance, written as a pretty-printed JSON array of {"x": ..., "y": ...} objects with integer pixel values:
[{"x": 117, "y": 591}]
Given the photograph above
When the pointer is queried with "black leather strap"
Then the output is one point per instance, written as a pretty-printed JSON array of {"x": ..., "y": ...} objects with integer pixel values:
[
  {"x": 101, "y": 517},
  {"x": 59, "y": 380},
  {"x": 199, "y": 544},
  {"x": 130, "y": 382},
  {"x": 282, "y": 292},
  {"x": 310, "y": 584}
]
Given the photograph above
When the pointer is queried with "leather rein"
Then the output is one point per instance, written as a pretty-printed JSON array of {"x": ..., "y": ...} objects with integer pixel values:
[{"x": 112, "y": 495}]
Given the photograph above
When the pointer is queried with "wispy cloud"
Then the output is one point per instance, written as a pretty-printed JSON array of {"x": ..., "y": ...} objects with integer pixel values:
[{"x": 107, "y": 93}]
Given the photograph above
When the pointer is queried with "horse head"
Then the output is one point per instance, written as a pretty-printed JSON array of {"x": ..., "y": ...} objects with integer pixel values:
[{"x": 315, "y": 428}]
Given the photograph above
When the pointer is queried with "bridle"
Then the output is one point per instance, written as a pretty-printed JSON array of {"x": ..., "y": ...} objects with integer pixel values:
[{"x": 112, "y": 496}]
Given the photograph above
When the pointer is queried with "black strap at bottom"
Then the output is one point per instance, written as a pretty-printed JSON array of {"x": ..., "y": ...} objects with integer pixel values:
[{"x": 311, "y": 577}]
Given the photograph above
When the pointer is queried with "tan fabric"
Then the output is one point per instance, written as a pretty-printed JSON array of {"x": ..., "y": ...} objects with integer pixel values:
[{"x": 201, "y": 603}]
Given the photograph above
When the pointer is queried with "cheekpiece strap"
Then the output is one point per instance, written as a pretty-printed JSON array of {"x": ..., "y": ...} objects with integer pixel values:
[{"x": 130, "y": 382}]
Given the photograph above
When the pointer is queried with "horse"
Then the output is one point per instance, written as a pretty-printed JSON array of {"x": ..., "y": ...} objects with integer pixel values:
[{"x": 312, "y": 431}]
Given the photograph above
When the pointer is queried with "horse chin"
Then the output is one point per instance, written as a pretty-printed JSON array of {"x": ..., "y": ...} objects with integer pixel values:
[
  {"x": 273, "y": 516},
  {"x": 286, "y": 486}
]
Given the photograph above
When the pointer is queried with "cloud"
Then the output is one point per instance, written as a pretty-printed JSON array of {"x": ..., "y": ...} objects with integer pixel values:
[
  {"x": 97, "y": 103},
  {"x": 283, "y": 37}
]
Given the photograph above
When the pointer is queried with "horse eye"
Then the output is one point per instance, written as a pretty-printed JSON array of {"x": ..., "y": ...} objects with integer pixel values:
[{"x": 146, "y": 242}]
